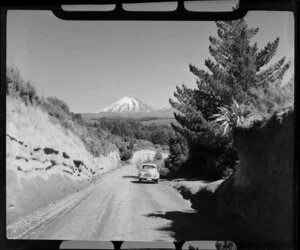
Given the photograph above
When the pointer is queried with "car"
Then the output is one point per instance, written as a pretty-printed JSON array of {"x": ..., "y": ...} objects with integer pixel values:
[{"x": 148, "y": 172}]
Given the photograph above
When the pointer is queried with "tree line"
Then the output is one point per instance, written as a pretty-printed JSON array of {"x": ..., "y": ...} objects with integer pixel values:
[{"x": 133, "y": 129}]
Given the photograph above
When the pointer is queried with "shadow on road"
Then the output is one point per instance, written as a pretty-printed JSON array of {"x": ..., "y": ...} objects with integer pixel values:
[
  {"x": 176, "y": 179},
  {"x": 129, "y": 176},
  {"x": 190, "y": 225},
  {"x": 143, "y": 182},
  {"x": 135, "y": 179}
]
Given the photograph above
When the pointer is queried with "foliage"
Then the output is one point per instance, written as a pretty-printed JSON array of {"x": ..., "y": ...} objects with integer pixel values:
[
  {"x": 131, "y": 145},
  {"x": 158, "y": 156},
  {"x": 178, "y": 153},
  {"x": 97, "y": 142},
  {"x": 274, "y": 98},
  {"x": 142, "y": 144},
  {"x": 225, "y": 245},
  {"x": 130, "y": 128},
  {"x": 233, "y": 115},
  {"x": 17, "y": 87},
  {"x": 163, "y": 171},
  {"x": 57, "y": 108},
  {"x": 77, "y": 118},
  {"x": 239, "y": 70},
  {"x": 125, "y": 153}
]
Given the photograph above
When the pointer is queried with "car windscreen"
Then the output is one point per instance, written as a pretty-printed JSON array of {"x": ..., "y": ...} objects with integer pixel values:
[{"x": 98, "y": 110}]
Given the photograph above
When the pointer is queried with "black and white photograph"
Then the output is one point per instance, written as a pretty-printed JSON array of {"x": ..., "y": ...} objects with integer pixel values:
[{"x": 167, "y": 131}]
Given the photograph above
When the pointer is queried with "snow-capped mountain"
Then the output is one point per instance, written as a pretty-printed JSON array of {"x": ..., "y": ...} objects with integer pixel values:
[{"x": 127, "y": 105}]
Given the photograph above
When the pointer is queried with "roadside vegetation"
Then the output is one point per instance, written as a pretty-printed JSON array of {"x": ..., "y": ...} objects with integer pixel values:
[
  {"x": 96, "y": 142},
  {"x": 134, "y": 130},
  {"x": 99, "y": 138},
  {"x": 239, "y": 88}
]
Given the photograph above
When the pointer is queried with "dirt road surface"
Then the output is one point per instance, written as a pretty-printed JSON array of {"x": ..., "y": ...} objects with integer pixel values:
[{"x": 121, "y": 208}]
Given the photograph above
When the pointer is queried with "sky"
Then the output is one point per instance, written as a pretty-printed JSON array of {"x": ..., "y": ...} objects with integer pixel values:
[{"x": 91, "y": 64}]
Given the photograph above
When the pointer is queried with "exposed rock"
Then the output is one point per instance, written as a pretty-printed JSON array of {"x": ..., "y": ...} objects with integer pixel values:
[
  {"x": 66, "y": 156},
  {"x": 78, "y": 163},
  {"x": 39, "y": 160},
  {"x": 48, "y": 151}
]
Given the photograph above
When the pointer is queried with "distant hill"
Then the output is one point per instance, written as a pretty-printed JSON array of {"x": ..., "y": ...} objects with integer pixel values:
[
  {"x": 146, "y": 120},
  {"x": 158, "y": 121},
  {"x": 158, "y": 113},
  {"x": 128, "y": 107}
]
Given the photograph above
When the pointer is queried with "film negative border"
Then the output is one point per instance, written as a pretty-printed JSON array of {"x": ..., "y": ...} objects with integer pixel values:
[{"x": 180, "y": 14}]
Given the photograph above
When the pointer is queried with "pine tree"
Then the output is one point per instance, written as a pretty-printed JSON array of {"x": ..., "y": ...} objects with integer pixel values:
[
  {"x": 178, "y": 152},
  {"x": 238, "y": 70}
]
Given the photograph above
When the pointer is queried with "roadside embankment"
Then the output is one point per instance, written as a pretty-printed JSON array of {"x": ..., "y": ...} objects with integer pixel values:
[
  {"x": 200, "y": 193},
  {"x": 258, "y": 199},
  {"x": 45, "y": 161},
  {"x": 260, "y": 194}
]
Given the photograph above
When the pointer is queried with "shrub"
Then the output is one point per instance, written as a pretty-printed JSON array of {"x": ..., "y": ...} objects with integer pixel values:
[
  {"x": 225, "y": 245},
  {"x": 158, "y": 156},
  {"x": 131, "y": 145},
  {"x": 178, "y": 154},
  {"x": 231, "y": 116},
  {"x": 125, "y": 153},
  {"x": 17, "y": 87},
  {"x": 159, "y": 136},
  {"x": 57, "y": 108},
  {"x": 163, "y": 171},
  {"x": 77, "y": 118},
  {"x": 273, "y": 98}
]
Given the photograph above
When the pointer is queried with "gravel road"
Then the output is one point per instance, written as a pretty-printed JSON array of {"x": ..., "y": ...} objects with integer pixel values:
[{"x": 118, "y": 208}]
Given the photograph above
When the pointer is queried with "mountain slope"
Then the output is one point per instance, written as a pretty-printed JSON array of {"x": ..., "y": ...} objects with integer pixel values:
[
  {"x": 127, "y": 105},
  {"x": 158, "y": 114}
]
